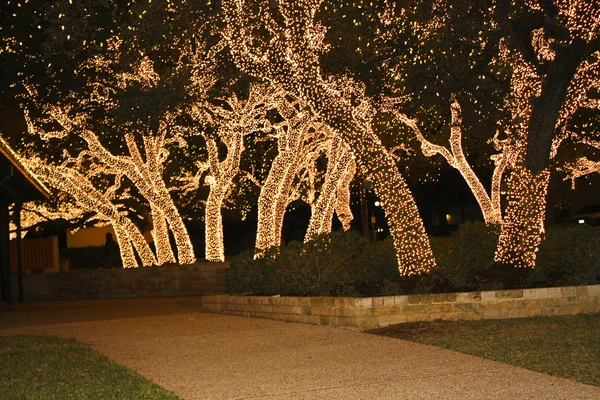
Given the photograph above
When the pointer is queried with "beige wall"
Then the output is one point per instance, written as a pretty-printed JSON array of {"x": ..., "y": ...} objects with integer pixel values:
[
  {"x": 95, "y": 237},
  {"x": 87, "y": 237}
]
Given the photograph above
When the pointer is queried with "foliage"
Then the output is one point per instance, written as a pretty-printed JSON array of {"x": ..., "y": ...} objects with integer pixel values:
[
  {"x": 568, "y": 347},
  {"x": 328, "y": 265},
  {"x": 569, "y": 256},
  {"x": 343, "y": 263},
  {"x": 468, "y": 263},
  {"x": 43, "y": 367}
]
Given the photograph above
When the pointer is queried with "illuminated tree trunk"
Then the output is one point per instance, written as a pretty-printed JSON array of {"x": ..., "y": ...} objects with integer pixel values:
[
  {"x": 215, "y": 248},
  {"x": 377, "y": 165},
  {"x": 455, "y": 156},
  {"x": 291, "y": 60},
  {"x": 88, "y": 197},
  {"x": 342, "y": 206},
  {"x": 322, "y": 212},
  {"x": 222, "y": 174},
  {"x": 125, "y": 248},
  {"x": 160, "y": 233},
  {"x": 266, "y": 232},
  {"x": 523, "y": 227}
]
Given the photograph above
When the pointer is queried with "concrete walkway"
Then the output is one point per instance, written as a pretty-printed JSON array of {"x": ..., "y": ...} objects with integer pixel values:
[{"x": 205, "y": 356}]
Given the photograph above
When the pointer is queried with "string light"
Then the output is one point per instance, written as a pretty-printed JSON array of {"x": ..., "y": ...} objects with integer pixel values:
[{"x": 290, "y": 59}]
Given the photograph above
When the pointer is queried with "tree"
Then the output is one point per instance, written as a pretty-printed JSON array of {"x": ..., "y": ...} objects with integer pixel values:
[{"x": 282, "y": 43}]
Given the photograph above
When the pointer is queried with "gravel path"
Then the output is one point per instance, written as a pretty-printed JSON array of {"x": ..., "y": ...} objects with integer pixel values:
[{"x": 205, "y": 356}]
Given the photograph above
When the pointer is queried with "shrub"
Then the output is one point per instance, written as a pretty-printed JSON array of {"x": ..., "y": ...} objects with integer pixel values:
[
  {"x": 467, "y": 264},
  {"x": 379, "y": 262},
  {"x": 569, "y": 255},
  {"x": 327, "y": 265}
]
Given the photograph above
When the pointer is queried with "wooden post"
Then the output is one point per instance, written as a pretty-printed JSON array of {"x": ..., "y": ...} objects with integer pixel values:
[
  {"x": 18, "y": 208},
  {"x": 5, "y": 254}
]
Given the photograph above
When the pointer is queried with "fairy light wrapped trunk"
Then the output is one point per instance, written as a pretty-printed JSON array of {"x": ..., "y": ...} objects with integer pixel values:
[
  {"x": 554, "y": 67},
  {"x": 290, "y": 58},
  {"x": 334, "y": 193},
  {"x": 240, "y": 117}
]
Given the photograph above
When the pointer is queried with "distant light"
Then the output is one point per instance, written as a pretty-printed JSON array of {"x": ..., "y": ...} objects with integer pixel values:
[
  {"x": 581, "y": 221},
  {"x": 377, "y": 204}
]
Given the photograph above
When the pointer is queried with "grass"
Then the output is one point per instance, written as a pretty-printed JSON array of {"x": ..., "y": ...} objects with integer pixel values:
[
  {"x": 45, "y": 367},
  {"x": 567, "y": 347}
]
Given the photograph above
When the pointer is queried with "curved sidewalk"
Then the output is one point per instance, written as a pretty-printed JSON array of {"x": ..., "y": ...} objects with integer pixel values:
[{"x": 205, "y": 356}]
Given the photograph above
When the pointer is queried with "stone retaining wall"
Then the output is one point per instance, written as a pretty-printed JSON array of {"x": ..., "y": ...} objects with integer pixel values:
[
  {"x": 375, "y": 312},
  {"x": 169, "y": 280}
]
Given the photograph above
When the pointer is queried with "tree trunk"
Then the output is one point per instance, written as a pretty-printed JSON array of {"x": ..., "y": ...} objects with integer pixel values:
[
  {"x": 377, "y": 165},
  {"x": 128, "y": 259},
  {"x": 138, "y": 241},
  {"x": 160, "y": 233},
  {"x": 267, "y": 201},
  {"x": 342, "y": 207},
  {"x": 523, "y": 227},
  {"x": 322, "y": 212},
  {"x": 215, "y": 249}
]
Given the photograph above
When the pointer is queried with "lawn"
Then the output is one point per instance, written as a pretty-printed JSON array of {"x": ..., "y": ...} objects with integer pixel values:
[
  {"x": 568, "y": 347},
  {"x": 45, "y": 367}
]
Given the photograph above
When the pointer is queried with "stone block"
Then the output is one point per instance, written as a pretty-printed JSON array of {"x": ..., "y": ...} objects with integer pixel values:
[
  {"x": 469, "y": 316},
  {"x": 564, "y": 301},
  {"x": 492, "y": 314},
  {"x": 488, "y": 296},
  {"x": 365, "y": 302},
  {"x": 446, "y": 316},
  {"x": 425, "y": 299},
  {"x": 568, "y": 291},
  {"x": 389, "y": 301},
  {"x": 387, "y": 310},
  {"x": 541, "y": 293},
  {"x": 416, "y": 308},
  {"x": 594, "y": 290},
  {"x": 555, "y": 292},
  {"x": 496, "y": 305},
  {"x": 536, "y": 303},
  {"x": 386, "y": 320},
  {"x": 326, "y": 311},
  {"x": 413, "y": 299},
  {"x": 509, "y": 294},
  {"x": 305, "y": 301},
  {"x": 583, "y": 309},
  {"x": 377, "y": 301},
  {"x": 464, "y": 307},
  {"x": 363, "y": 322},
  {"x": 463, "y": 297},
  {"x": 439, "y": 308},
  {"x": 556, "y": 311},
  {"x": 357, "y": 312},
  {"x": 306, "y": 310},
  {"x": 582, "y": 290},
  {"x": 401, "y": 300},
  {"x": 418, "y": 317}
]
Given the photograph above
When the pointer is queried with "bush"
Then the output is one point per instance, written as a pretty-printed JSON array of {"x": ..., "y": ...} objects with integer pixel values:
[
  {"x": 327, "y": 265},
  {"x": 467, "y": 264},
  {"x": 568, "y": 255},
  {"x": 343, "y": 263}
]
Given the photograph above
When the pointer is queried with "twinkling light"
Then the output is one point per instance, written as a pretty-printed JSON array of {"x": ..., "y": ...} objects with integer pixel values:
[
  {"x": 535, "y": 84},
  {"x": 334, "y": 194},
  {"x": 240, "y": 118},
  {"x": 143, "y": 163},
  {"x": 455, "y": 157},
  {"x": 70, "y": 181},
  {"x": 289, "y": 58}
]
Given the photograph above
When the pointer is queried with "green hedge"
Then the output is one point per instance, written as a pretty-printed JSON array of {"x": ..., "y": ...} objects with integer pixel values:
[{"x": 343, "y": 263}]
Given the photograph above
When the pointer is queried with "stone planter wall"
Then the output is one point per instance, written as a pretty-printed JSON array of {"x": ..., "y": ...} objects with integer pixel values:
[
  {"x": 169, "y": 280},
  {"x": 375, "y": 312}
]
